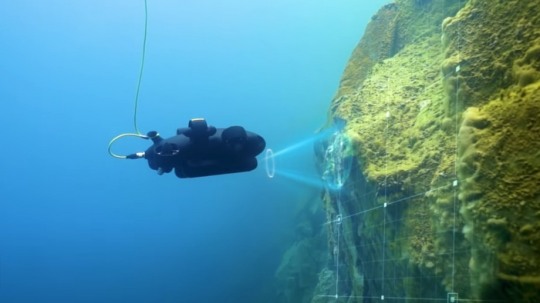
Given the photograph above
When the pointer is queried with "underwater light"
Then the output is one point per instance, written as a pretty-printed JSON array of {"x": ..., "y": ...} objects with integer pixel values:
[
  {"x": 270, "y": 156},
  {"x": 303, "y": 178},
  {"x": 303, "y": 143},
  {"x": 337, "y": 158},
  {"x": 270, "y": 163}
]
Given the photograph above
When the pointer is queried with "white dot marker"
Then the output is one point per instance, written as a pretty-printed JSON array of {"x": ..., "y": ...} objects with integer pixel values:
[{"x": 455, "y": 183}]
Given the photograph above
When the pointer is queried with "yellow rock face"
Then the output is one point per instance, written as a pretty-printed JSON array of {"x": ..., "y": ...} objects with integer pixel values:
[{"x": 449, "y": 113}]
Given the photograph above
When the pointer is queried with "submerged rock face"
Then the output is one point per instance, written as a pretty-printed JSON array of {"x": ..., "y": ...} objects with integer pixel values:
[
  {"x": 442, "y": 104},
  {"x": 497, "y": 95}
]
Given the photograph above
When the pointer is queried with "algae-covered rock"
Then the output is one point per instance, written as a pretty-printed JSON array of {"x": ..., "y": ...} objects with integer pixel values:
[
  {"x": 498, "y": 91},
  {"x": 442, "y": 104},
  {"x": 499, "y": 167},
  {"x": 376, "y": 45}
]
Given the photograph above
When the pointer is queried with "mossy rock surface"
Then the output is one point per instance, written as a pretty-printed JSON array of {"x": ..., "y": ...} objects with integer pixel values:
[
  {"x": 497, "y": 90},
  {"x": 443, "y": 107}
]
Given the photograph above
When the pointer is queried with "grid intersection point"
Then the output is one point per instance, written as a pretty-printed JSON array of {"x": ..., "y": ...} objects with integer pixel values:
[{"x": 452, "y": 297}]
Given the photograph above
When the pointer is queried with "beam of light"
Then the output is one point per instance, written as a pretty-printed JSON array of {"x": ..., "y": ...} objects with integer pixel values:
[
  {"x": 304, "y": 142},
  {"x": 308, "y": 180}
]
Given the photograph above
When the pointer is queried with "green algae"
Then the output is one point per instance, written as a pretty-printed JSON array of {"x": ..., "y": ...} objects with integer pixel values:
[
  {"x": 376, "y": 45},
  {"x": 448, "y": 106},
  {"x": 501, "y": 173},
  {"x": 442, "y": 105},
  {"x": 498, "y": 142}
]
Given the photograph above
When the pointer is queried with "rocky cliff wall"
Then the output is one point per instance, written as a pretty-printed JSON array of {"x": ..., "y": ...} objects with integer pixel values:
[{"x": 442, "y": 104}]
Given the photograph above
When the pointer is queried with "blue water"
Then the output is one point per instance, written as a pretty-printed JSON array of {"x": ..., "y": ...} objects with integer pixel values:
[{"x": 79, "y": 226}]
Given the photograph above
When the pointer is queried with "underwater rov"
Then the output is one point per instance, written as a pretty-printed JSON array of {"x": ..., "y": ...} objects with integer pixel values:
[
  {"x": 332, "y": 146},
  {"x": 200, "y": 150}
]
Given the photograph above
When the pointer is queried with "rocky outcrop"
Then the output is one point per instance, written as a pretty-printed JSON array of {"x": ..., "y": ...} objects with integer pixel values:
[
  {"x": 496, "y": 45},
  {"x": 442, "y": 104}
]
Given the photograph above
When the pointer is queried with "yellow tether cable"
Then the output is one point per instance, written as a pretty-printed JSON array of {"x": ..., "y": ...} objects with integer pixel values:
[
  {"x": 137, "y": 132},
  {"x": 142, "y": 68}
]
